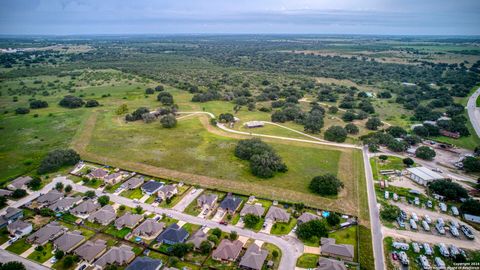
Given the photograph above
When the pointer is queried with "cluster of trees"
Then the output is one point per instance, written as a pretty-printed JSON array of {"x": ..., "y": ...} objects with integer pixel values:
[
  {"x": 56, "y": 159},
  {"x": 165, "y": 98},
  {"x": 37, "y": 104},
  {"x": 449, "y": 189},
  {"x": 374, "y": 140},
  {"x": 471, "y": 206},
  {"x": 471, "y": 164},
  {"x": 389, "y": 212},
  {"x": 71, "y": 102},
  {"x": 336, "y": 134},
  {"x": 168, "y": 121},
  {"x": 207, "y": 96},
  {"x": 137, "y": 114},
  {"x": 264, "y": 161},
  {"x": 325, "y": 185},
  {"x": 425, "y": 152},
  {"x": 14, "y": 265},
  {"x": 312, "y": 121},
  {"x": 312, "y": 230},
  {"x": 226, "y": 117}
]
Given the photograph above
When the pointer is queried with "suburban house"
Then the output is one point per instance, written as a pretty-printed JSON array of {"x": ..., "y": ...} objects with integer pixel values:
[
  {"x": 104, "y": 215},
  {"x": 422, "y": 175},
  {"x": 254, "y": 209},
  {"x": 277, "y": 214},
  {"x": 197, "y": 238},
  {"x": 254, "y": 258},
  {"x": 149, "y": 229},
  {"x": 69, "y": 241},
  {"x": 64, "y": 204},
  {"x": 91, "y": 250},
  {"x": 145, "y": 263},
  {"x": 113, "y": 178},
  {"x": 227, "y": 250},
  {"x": 11, "y": 214},
  {"x": 50, "y": 197},
  {"x": 128, "y": 220},
  {"x": 151, "y": 187},
  {"x": 98, "y": 173},
  {"x": 230, "y": 203},
  {"x": 133, "y": 182},
  {"x": 85, "y": 208},
  {"x": 19, "y": 228},
  {"x": 306, "y": 217},
  {"x": 19, "y": 183},
  {"x": 5, "y": 193},
  {"x": 207, "y": 201},
  {"x": 330, "y": 248},
  {"x": 116, "y": 256},
  {"x": 47, "y": 233},
  {"x": 329, "y": 264},
  {"x": 167, "y": 192},
  {"x": 173, "y": 235}
]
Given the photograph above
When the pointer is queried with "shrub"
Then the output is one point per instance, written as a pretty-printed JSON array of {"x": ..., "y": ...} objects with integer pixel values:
[
  {"x": 22, "y": 110},
  {"x": 165, "y": 98},
  {"x": 19, "y": 193},
  {"x": 71, "y": 102},
  {"x": 168, "y": 121},
  {"x": 149, "y": 91},
  {"x": 103, "y": 200},
  {"x": 408, "y": 162},
  {"x": 37, "y": 104},
  {"x": 57, "y": 159},
  {"x": 333, "y": 219},
  {"x": 327, "y": 184},
  {"x": 373, "y": 123},
  {"x": 250, "y": 220},
  {"x": 92, "y": 103},
  {"x": 137, "y": 114}
]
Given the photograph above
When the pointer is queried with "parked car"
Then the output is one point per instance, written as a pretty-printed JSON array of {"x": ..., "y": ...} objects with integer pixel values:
[
  {"x": 429, "y": 204},
  {"x": 394, "y": 256},
  {"x": 468, "y": 233},
  {"x": 414, "y": 216},
  {"x": 428, "y": 219},
  {"x": 223, "y": 222}
]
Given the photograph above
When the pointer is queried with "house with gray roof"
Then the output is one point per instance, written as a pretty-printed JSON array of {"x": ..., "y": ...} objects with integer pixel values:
[
  {"x": 145, "y": 263},
  {"x": 19, "y": 228},
  {"x": 69, "y": 241},
  {"x": 227, "y": 250},
  {"x": 113, "y": 178},
  {"x": 306, "y": 217},
  {"x": 19, "y": 183},
  {"x": 91, "y": 250},
  {"x": 173, "y": 235},
  {"x": 47, "y": 233},
  {"x": 254, "y": 209},
  {"x": 207, "y": 201},
  {"x": 254, "y": 258},
  {"x": 104, "y": 215},
  {"x": 6, "y": 193},
  {"x": 50, "y": 197},
  {"x": 231, "y": 203},
  {"x": 277, "y": 214},
  {"x": 98, "y": 173},
  {"x": 151, "y": 187},
  {"x": 330, "y": 264},
  {"x": 128, "y": 220},
  {"x": 133, "y": 182},
  {"x": 85, "y": 208},
  {"x": 119, "y": 256},
  {"x": 340, "y": 251},
  {"x": 167, "y": 192},
  {"x": 11, "y": 214},
  {"x": 197, "y": 238},
  {"x": 149, "y": 228},
  {"x": 64, "y": 204}
]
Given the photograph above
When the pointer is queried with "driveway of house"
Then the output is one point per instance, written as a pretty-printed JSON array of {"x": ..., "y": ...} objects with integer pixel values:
[
  {"x": 28, "y": 251},
  {"x": 144, "y": 198},
  {"x": 187, "y": 199}
]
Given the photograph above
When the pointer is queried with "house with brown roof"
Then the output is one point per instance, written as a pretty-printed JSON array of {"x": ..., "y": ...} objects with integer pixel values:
[
  {"x": 113, "y": 178},
  {"x": 50, "y": 197},
  {"x": 119, "y": 256},
  {"x": 197, "y": 238},
  {"x": 329, "y": 264},
  {"x": 98, "y": 173},
  {"x": 19, "y": 228},
  {"x": 207, "y": 201},
  {"x": 133, "y": 183},
  {"x": 167, "y": 192},
  {"x": 47, "y": 233},
  {"x": 91, "y": 250},
  {"x": 85, "y": 208},
  {"x": 104, "y": 215},
  {"x": 227, "y": 250},
  {"x": 19, "y": 183},
  {"x": 64, "y": 204},
  {"x": 340, "y": 251},
  {"x": 277, "y": 214},
  {"x": 306, "y": 217},
  {"x": 128, "y": 220},
  {"x": 149, "y": 229},
  {"x": 253, "y": 209},
  {"x": 254, "y": 258},
  {"x": 69, "y": 241}
]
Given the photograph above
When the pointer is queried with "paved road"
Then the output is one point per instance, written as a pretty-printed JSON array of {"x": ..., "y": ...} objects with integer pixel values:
[
  {"x": 291, "y": 247},
  {"x": 187, "y": 200},
  {"x": 474, "y": 112},
  {"x": 375, "y": 224},
  {"x": 6, "y": 256}
]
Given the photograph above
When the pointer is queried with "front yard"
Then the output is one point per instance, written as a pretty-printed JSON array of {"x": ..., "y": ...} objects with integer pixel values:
[
  {"x": 19, "y": 246},
  {"x": 42, "y": 254},
  {"x": 132, "y": 193},
  {"x": 281, "y": 228},
  {"x": 308, "y": 261}
]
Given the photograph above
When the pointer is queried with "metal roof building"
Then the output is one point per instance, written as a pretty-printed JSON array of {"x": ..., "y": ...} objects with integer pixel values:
[{"x": 423, "y": 175}]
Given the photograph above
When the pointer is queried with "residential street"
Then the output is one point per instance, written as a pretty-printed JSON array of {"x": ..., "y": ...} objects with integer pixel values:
[
  {"x": 377, "y": 237},
  {"x": 474, "y": 112},
  {"x": 6, "y": 256},
  {"x": 187, "y": 200}
]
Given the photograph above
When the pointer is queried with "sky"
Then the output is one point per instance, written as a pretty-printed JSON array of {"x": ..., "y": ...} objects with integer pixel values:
[{"x": 383, "y": 17}]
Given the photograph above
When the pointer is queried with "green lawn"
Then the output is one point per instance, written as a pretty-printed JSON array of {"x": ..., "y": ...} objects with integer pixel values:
[
  {"x": 42, "y": 256},
  {"x": 191, "y": 228},
  {"x": 281, "y": 228},
  {"x": 118, "y": 233},
  {"x": 276, "y": 259},
  {"x": 3, "y": 235},
  {"x": 346, "y": 236},
  {"x": 132, "y": 193},
  {"x": 392, "y": 163},
  {"x": 19, "y": 246},
  {"x": 111, "y": 189},
  {"x": 308, "y": 261},
  {"x": 94, "y": 183},
  {"x": 59, "y": 265}
]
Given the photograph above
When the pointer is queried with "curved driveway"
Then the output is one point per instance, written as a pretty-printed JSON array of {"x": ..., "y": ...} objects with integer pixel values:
[{"x": 474, "y": 111}]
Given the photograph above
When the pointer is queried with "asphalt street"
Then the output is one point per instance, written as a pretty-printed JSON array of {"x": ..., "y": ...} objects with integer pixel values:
[{"x": 474, "y": 111}]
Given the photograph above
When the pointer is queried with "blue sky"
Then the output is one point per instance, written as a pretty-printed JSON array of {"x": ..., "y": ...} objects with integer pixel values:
[{"x": 66, "y": 17}]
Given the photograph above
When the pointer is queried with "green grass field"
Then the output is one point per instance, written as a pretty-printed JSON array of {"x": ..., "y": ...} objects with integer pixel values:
[
  {"x": 308, "y": 261},
  {"x": 42, "y": 256},
  {"x": 19, "y": 246}
]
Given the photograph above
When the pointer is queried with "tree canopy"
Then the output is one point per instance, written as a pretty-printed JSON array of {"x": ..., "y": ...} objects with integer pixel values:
[
  {"x": 335, "y": 134},
  {"x": 449, "y": 189},
  {"x": 425, "y": 152},
  {"x": 264, "y": 161},
  {"x": 325, "y": 185},
  {"x": 56, "y": 159}
]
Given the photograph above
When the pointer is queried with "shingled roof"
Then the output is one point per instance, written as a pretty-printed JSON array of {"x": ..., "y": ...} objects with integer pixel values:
[
  {"x": 227, "y": 250},
  {"x": 149, "y": 228},
  {"x": 254, "y": 257},
  {"x": 64, "y": 204},
  {"x": 85, "y": 207},
  {"x": 50, "y": 197},
  {"x": 145, "y": 263},
  {"x": 230, "y": 203},
  {"x": 254, "y": 209},
  {"x": 116, "y": 255},
  {"x": 46, "y": 233},
  {"x": 90, "y": 250},
  {"x": 197, "y": 238},
  {"x": 329, "y": 247},
  {"x": 276, "y": 213},
  {"x": 69, "y": 240},
  {"x": 306, "y": 217},
  {"x": 103, "y": 216},
  {"x": 128, "y": 220},
  {"x": 329, "y": 264}
]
